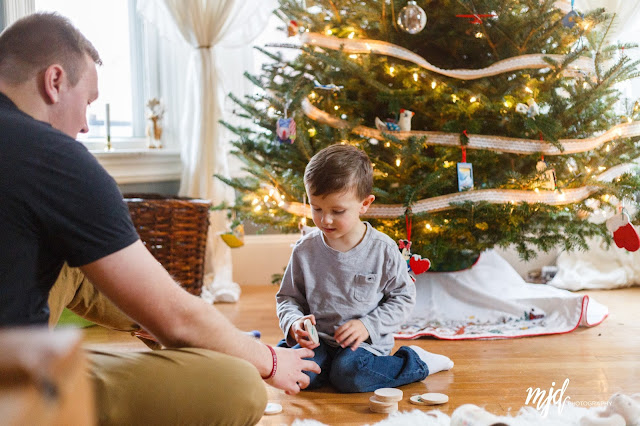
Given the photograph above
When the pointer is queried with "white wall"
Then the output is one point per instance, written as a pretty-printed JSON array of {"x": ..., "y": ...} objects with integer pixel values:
[
  {"x": 265, "y": 255},
  {"x": 261, "y": 257}
]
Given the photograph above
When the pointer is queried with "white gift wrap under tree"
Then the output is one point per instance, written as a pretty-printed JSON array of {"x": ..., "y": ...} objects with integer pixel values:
[{"x": 600, "y": 267}]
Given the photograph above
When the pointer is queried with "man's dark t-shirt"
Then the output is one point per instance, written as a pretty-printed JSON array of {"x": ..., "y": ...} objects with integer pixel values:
[{"x": 57, "y": 204}]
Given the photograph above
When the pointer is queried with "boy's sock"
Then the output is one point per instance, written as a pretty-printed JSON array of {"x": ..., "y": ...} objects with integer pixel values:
[{"x": 435, "y": 362}]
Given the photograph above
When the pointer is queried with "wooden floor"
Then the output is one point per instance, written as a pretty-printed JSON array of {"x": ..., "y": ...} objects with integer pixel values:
[{"x": 494, "y": 374}]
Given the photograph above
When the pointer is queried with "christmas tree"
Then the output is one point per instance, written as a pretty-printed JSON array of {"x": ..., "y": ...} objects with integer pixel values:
[{"x": 509, "y": 128}]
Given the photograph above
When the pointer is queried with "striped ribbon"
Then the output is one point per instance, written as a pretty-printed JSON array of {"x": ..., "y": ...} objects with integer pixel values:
[
  {"x": 580, "y": 66},
  {"x": 491, "y": 143},
  {"x": 494, "y": 196}
]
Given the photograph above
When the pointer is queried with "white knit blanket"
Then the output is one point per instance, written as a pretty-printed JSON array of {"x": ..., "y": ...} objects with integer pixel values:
[{"x": 620, "y": 410}]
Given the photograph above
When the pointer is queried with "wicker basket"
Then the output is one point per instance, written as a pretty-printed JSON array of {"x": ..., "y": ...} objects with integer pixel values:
[{"x": 174, "y": 229}]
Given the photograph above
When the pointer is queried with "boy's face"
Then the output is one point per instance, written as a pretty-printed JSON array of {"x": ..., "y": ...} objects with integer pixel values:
[{"x": 338, "y": 216}]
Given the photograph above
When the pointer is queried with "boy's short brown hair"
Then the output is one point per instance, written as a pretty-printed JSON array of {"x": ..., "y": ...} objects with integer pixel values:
[
  {"x": 339, "y": 168},
  {"x": 37, "y": 41}
]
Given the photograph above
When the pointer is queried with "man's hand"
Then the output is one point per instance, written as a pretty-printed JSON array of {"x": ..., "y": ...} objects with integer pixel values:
[
  {"x": 291, "y": 364},
  {"x": 351, "y": 333},
  {"x": 301, "y": 335}
]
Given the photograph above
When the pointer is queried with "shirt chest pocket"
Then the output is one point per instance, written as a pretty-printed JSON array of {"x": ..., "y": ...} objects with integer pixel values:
[{"x": 365, "y": 286}]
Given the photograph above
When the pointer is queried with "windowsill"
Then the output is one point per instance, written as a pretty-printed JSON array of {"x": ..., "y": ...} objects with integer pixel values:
[{"x": 139, "y": 165}]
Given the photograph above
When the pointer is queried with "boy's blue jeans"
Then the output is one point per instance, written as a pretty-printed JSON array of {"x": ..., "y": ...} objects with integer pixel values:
[{"x": 361, "y": 371}]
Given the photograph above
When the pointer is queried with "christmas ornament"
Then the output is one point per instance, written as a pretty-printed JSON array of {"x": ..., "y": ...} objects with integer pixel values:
[
  {"x": 624, "y": 233},
  {"x": 534, "y": 109},
  {"x": 286, "y": 127},
  {"x": 419, "y": 265},
  {"x": 522, "y": 108},
  {"x": 465, "y": 171},
  {"x": 292, "y": 28},
  {"x": 412, "y": 18},
  {"x": 570, "y": 19},
  {"x": 286, "y": 130},
  {"x": 332, "y": 87},
  {"x": 477, "y": 18},
  {"x": 548, "y": 177},
  {"x": 415, "y": 262},
  {"x": 235, "y": 238},
  {"x": 531, "y": 108},
  {"x": 405, "y": 249},
  {"x": 465, "y": 176},
  {"x": 403, "y": 125}
]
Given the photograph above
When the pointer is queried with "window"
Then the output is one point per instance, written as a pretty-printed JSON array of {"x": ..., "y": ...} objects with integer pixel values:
[{"x": 114, "y": 29}]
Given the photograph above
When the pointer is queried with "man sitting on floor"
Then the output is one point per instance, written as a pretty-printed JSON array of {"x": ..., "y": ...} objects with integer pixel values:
[{"x": 59, "y": 205}]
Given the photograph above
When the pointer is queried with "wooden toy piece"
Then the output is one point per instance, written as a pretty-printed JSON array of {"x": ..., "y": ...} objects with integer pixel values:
[
  {"x": 311, "y": 329},
  {"x": 433, "y": 398},
  {"x": 43, "y": 378},
  {"x": 388, "y": 395},
  {"x": 378, "y": 406},
  {"x": 392, "y": 408},
  {"x": 417, "y": 400},
  {"x": 273, "y": 408}
]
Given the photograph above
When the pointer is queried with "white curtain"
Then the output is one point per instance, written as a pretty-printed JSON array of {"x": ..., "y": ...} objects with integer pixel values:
[
  {"x": 209, "y": 27},
  {"x": 625, "y": 29},
  {"x": 598, "y": 267},
  {"x": 16, "y": 9},
  {"x": 627, "y": 13}
]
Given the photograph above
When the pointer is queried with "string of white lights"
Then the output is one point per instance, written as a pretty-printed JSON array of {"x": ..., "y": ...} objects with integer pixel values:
[
  {"x": 357, "y": 46},
  {"x": 493, "y": 196},
  {"x": 491, "y": 143}
]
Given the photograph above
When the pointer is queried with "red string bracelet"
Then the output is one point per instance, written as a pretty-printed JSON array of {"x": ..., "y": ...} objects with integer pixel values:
[{"x": 274, "y": 368}]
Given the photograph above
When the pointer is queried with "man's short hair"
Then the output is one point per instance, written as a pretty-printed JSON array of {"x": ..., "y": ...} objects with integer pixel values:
[
  {"x": 339, "y": 168},
  {"x": 37, "y": 41}
]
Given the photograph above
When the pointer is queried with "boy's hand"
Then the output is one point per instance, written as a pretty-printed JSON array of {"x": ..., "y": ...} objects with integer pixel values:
[
  {"x": 351, "y": 333},
  {"x": 301, "y": 335}
]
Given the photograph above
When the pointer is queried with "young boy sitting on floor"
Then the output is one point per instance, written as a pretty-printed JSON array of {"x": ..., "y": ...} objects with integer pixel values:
[{"x": 351, "y": 281}]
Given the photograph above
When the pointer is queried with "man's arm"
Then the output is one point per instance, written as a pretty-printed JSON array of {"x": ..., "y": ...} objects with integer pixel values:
[{"x": 145, "y": 291}]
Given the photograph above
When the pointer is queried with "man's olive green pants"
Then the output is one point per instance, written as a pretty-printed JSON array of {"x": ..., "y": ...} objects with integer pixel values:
[{"x": 161, "y": 387}]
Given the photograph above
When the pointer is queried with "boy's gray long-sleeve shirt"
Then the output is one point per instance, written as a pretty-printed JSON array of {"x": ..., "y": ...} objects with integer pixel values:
[{"x": 369, "y": 282}]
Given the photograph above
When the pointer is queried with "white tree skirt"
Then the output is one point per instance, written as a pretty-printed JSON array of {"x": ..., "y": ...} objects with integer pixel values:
[{"x": 491, "y": 301}]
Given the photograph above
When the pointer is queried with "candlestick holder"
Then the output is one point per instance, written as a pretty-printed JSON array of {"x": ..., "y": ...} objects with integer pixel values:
[{"x": 107, "y": 123}]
